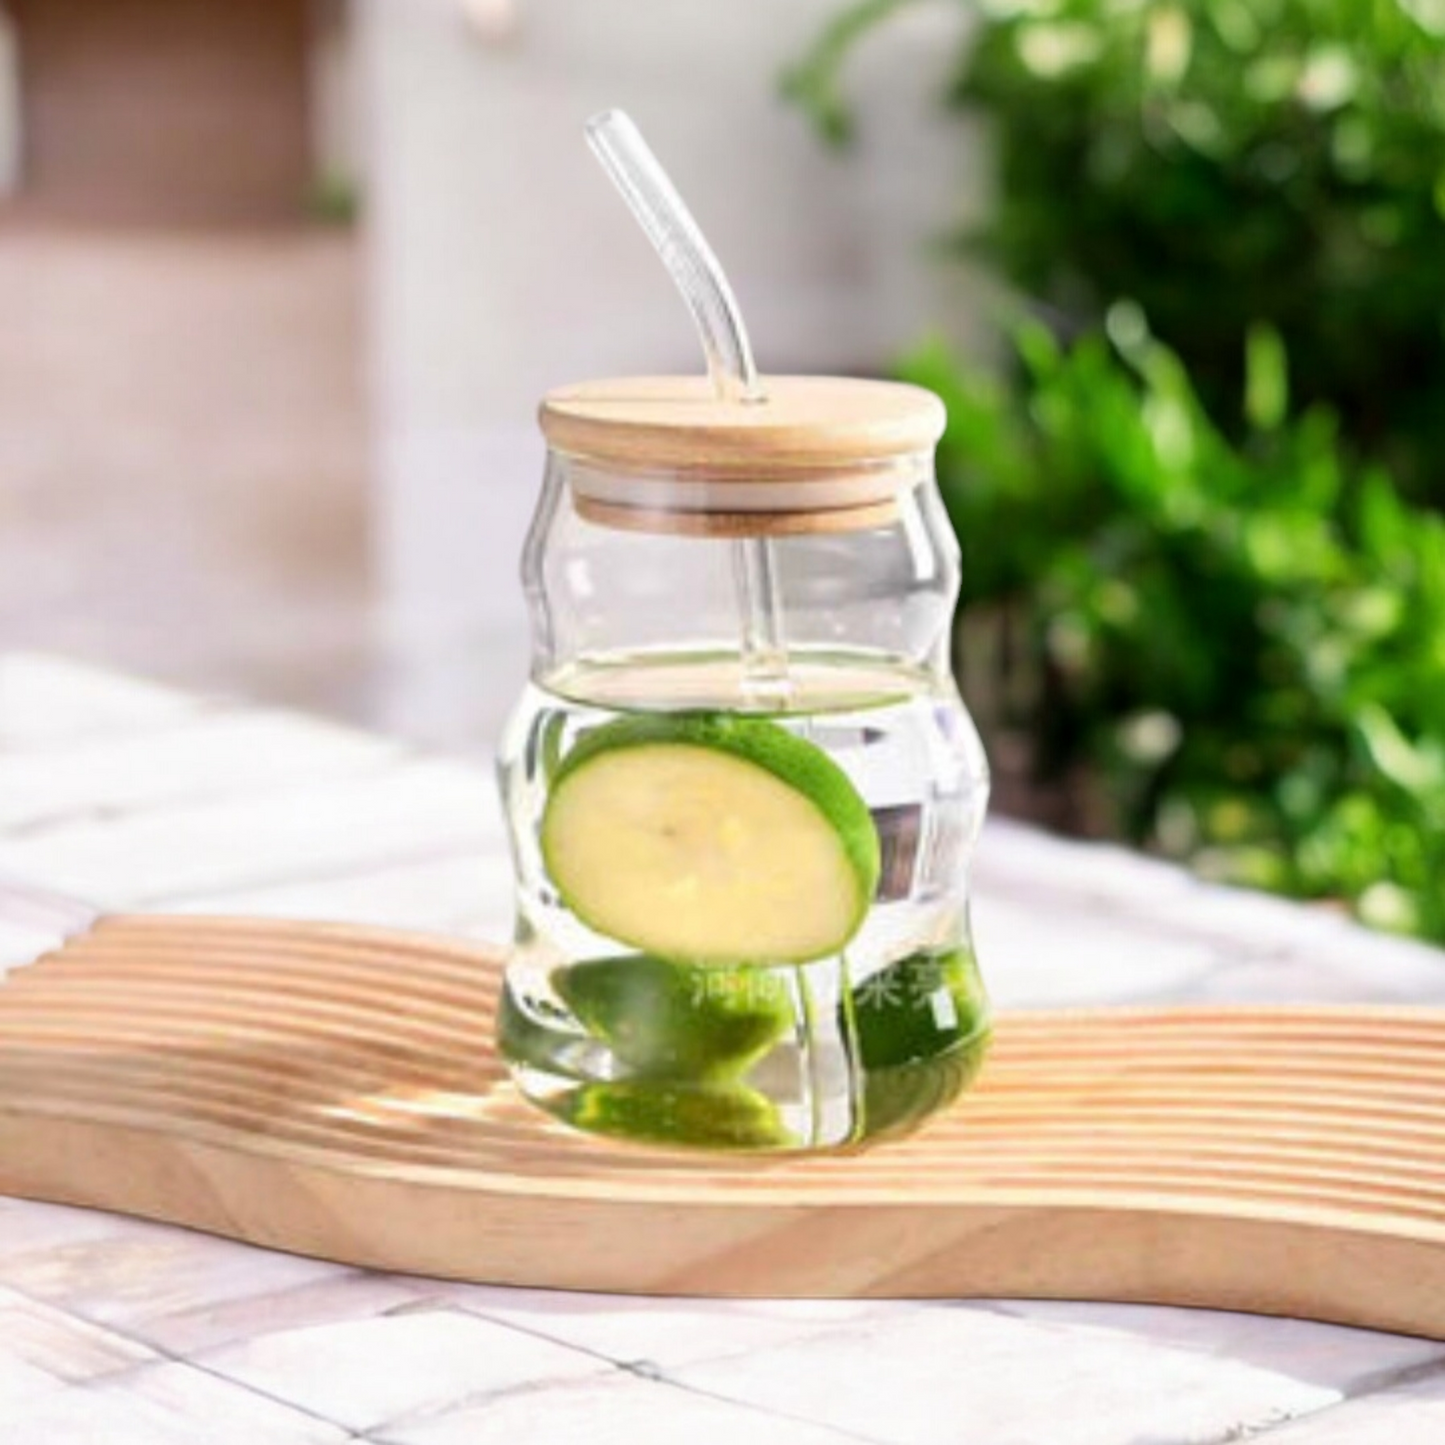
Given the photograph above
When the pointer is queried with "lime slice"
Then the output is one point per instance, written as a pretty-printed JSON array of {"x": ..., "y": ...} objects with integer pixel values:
[
  {"x": 922, "y": 1026},
  {"x": 678, "y": 1020},
  {"x": 710, "y": 838},
  {"x": 718, "y": 1116},
  {"x": 548, "y": 743},
  {"x": 896, "y": 1101},
  {"x": 918, "y": 1008}
]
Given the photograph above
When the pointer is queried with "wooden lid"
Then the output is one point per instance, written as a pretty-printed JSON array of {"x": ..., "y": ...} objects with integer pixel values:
[{"x": 818, "y": 425}]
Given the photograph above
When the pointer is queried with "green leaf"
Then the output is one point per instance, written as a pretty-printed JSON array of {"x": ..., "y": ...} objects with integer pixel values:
[
  {"x": 1228, "y": 516},
  {"x": 815, "y": 81},
  {"x": 1408, "y": 765},
  {"x": 1266, "y": 396}
]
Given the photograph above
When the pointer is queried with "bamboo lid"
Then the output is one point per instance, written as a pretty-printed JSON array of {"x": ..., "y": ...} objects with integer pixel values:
[{"x": 667, "y": 454}]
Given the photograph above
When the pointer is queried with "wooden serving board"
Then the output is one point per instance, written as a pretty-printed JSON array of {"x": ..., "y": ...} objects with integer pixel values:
[{"x": 333, "y": 1091}]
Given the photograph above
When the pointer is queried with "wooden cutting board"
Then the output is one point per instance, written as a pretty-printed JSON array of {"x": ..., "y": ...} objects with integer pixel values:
[{"x": 333, "y": 1091}]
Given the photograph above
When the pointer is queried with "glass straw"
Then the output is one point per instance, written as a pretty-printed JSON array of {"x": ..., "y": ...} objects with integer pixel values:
[{"x": 679, "y": 241}]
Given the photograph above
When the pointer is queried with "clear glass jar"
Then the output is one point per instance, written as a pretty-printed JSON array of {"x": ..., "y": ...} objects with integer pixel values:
[{"x": 741, "y": 787}]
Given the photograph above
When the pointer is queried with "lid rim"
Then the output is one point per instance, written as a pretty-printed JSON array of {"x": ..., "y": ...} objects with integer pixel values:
[
  {"x": 733, "y": 525},
  {"x": 806, "y": 469},
  {"x": 678, "y": 425}
]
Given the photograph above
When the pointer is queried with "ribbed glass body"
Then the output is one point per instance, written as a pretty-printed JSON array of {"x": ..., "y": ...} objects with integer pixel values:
[{"x": 742, "y": 794}]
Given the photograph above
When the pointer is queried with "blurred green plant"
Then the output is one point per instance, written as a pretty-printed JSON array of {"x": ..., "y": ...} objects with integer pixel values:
[
  {"x": 1241, "y": 638},
  {"x": 1222, "y": 163}
]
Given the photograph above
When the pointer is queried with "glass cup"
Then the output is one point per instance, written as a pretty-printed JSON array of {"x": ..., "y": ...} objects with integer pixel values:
[{"x": 741, "y": 787}]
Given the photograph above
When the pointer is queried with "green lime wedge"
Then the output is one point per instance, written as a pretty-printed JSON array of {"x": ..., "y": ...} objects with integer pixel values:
[
  {"x": 918, "y": 1008},
  {"x": 922, "y": 1026},
  {"x": 716, "y": 1116},
  {"x": 710, "y": 838},
  {"x": 896, "y": 1101},
  {"x": 678, "y": 1020}
]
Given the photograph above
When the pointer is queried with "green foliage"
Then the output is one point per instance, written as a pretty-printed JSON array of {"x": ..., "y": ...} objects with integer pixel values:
[
  {"x": 1226, "y": 616},
  {"x": 1222, "y": 163},
  {"x": 1243, "y": 638},
  {"x": 813, "y": 82}
]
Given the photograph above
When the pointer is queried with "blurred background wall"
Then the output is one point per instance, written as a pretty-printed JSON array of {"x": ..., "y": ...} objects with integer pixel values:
[
  {"x": 281, "y": 284},
  {"x": 285, "y": 282}
]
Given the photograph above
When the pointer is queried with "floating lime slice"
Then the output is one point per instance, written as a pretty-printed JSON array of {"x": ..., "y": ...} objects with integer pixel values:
[
  {"x": 918, "y": 1008},
  {"x": 717, "y": 1116},
  {"x": 678, "y": 1020},
  {"x": 710, "y": 838}
]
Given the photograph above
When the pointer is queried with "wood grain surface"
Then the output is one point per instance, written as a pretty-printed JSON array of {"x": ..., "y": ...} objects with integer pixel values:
[
  {"x": 809, "y": 425},
  {"x": 816, "y": 454},
  {"x": 332, "y": 1090}
]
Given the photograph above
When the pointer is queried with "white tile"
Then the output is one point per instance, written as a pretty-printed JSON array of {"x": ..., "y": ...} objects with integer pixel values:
[
  {"x": 22, "y": 1384},
  {"x": 494, "y": 920},
  {"x": 19, "y": 946},
  {"x": 216, "y": 756},
  {"x": 449, "y": 894},
  {"x": 1282, "y": 980},
  {"x": 913, "y": 1380},
  {"x": 1384, "y": 968},
  {"x": 1357, "y": 967},
  {"x": 345, "y": 1295},
  {"x": 415, "y": 811},
  {"x": 65, "y": 1348},
  {"x": 1240, "y": 921},
  {"x": 662, "y": 1331},
  {"x": 28, "y": 1228},
  {"x": 1015, "y": 859},
  {"x": 1339, "y": 1358},
  {"x": 1040, "y": 955},
  {"x": 128, "y": 1275},
  {"x": 168, "y": 1404},
  {"x": 47, "y": 701},
  {"x": 1057, "y": 882},
  {"x": 1407, "y": 1414},
  {"x": 617, "y": 1410},
  {"x": 45, "y": 913},
  {"x": 365, "y": 1373}
]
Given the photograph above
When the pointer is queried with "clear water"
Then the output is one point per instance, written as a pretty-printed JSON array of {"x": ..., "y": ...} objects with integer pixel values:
[{"x": 825, "y": 1054}]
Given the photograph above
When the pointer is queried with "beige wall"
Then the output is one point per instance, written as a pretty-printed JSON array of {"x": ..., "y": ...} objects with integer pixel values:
[
  {"x": 9, "y": 105},
  {"x": 165, "y": 111}
]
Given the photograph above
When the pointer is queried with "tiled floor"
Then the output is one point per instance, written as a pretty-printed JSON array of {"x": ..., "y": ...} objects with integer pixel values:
[{"x": 117, "y": 1332}]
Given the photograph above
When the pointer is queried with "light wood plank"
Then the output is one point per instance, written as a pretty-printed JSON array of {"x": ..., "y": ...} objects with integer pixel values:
[{"x": 331, "y": 1091}]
